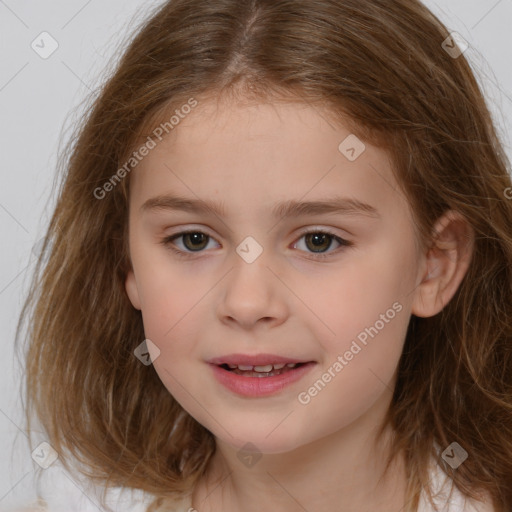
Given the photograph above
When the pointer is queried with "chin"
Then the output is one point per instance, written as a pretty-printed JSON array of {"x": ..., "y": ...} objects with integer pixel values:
[{"x": 249, "y": 437}]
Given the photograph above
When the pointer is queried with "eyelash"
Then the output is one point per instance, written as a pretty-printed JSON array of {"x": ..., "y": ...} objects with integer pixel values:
[{"x": 168, "y": 242}]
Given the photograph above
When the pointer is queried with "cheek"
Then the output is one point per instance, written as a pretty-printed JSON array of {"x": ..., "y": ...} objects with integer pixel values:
[
  {"x": 358, "y": 372},
  {"x": 171, "y": 307},
  {"x": 188, "y": 382},
  {"x": 167, "y": 295},
  {"x": 365, "y": 311},
  {"x": 365, "y": 287}
]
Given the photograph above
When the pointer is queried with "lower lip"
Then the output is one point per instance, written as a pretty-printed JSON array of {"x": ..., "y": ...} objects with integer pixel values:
[{"x": 259, "y": 386}]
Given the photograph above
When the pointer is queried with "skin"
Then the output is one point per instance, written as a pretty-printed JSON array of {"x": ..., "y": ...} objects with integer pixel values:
[{"x": 286, "y": 302}]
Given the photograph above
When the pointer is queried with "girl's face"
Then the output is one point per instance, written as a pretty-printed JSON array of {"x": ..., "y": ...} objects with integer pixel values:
[{"x": 258, "y": 283}]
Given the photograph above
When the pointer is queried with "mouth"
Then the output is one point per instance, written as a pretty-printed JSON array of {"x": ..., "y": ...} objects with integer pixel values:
[
  {"x": 259, "y": 375},
  {"x": 267, "y": 370}
]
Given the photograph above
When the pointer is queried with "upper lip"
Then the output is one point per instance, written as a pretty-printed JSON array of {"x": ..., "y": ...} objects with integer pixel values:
[{"x": 254, "y": 360}]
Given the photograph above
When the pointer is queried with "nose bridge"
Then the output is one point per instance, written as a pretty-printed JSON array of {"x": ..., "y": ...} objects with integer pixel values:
[
  {"x": 251, "y": 266},
  {"x": 250, "y": 250},
  {"x": 252, "y": 289}
]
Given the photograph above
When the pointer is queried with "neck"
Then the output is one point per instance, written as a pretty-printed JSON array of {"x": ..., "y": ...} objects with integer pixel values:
[{"x": 344, "y": 471}]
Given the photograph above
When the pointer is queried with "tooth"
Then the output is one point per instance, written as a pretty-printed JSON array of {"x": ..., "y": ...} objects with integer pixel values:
[
  {"x": 279, "y": 366},
  {"x": 245, "y": 367},
  {"x": 291, "y": 365},
  {"x": 232, "y": 366},
  {"x": 266, "y": 368}
]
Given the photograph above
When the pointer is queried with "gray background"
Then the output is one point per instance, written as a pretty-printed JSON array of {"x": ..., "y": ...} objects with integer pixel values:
[{"x": 39, "y": 101}]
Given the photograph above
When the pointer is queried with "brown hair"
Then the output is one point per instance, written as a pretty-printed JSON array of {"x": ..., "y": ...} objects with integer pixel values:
[{"x": 378, "y": 65}]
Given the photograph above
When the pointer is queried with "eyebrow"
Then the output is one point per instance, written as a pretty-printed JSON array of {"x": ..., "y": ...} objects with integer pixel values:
[{"x": 285, "y": 209}]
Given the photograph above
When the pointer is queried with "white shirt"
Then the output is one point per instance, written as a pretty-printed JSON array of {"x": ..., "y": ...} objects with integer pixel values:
[
  {"x": 62, "y": 494},
  {"x": 441, "y": 485}
]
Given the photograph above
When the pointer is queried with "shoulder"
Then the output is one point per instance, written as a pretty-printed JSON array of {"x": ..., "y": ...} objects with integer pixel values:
[
  {"x": 41, "y": 505},
  {"x": 59, "y": 491},
  {"x": 448, "y": 498}
]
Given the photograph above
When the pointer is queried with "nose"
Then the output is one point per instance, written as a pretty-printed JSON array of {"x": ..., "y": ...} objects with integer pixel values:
[{"x": 252, "y": 293}]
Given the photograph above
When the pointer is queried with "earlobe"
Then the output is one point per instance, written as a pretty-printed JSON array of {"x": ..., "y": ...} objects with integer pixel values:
[
  {"x": 131, "y": 289},
  {"x": 447, "y": 262}
]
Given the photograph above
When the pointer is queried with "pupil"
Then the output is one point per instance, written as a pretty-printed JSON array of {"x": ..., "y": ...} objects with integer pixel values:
[
  {"x": 318, "y": 237},
  {"x": 194, "y": 237},
  {"x": 318, "y": 240}
]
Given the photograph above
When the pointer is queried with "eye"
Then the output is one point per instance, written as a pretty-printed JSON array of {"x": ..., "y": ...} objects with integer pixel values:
[
  {"x": 196, "y": 241},
  {"x": 321, "y": 239}
]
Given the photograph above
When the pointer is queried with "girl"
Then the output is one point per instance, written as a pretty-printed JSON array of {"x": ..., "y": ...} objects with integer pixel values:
[{"x": 279, "y": 271}]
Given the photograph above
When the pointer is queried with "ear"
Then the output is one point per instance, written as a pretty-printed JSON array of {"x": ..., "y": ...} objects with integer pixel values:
[
  {"x": 446, "y": 263},
  {"x": 131, "y": 289}
]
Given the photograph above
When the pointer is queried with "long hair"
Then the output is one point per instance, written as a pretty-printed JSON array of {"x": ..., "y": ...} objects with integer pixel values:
[{"x": 383, "y": 67}]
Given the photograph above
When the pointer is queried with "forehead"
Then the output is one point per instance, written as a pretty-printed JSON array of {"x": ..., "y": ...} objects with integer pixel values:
[{"x": 265, "y": 153}]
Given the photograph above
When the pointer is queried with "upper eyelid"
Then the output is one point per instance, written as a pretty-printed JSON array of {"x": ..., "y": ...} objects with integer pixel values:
[
  {"x": 308, "y": 229},
  {"x": 305, "y": 231},
  {"x": 344, "y": 242}
]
